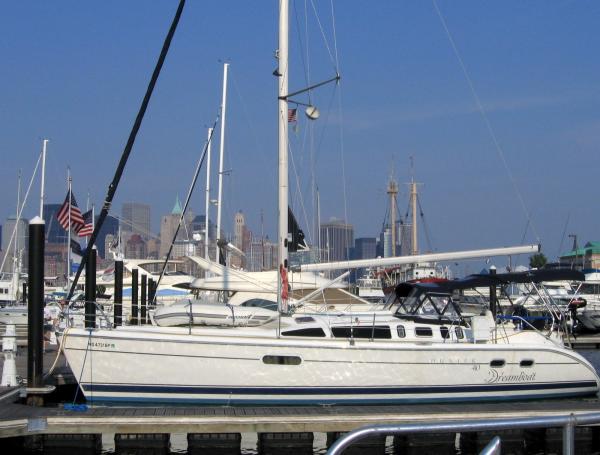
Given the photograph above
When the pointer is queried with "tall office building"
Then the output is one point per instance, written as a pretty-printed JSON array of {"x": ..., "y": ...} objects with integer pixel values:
[
  {"x": 387, "y": 242},
  {"x": 168, "y": 227},
  {"x": 365, "y": 248},
  {"x": 242, "y": 236},
  {"x": 135, "y": 219},
  {"x": 405, "y": 238},
  {"x": 337, "y": 238},
  {"x": 135, "y": 247},
  {"x": 239, "y": 226}
]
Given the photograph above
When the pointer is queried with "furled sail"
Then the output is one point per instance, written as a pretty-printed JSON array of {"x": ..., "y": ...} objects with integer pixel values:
[{"x": 297, "y": 243}]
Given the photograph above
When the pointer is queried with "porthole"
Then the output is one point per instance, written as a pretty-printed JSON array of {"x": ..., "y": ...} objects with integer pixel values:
[
  {"x": 423, "y": 332},
  {"x": 459, "y": 333},
  {"x": 444, "y": 332},
  {"x": 527, "y": 363},
  {"x": 282, "y": 360},
  {"x": 401, "y": 331},
  {"x": 497, "y": 363}
]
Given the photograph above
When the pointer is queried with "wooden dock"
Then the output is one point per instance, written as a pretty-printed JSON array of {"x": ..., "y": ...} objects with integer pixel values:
[
  {"x": 586, "y": 342},
  {"x": 22, "y": 420}
]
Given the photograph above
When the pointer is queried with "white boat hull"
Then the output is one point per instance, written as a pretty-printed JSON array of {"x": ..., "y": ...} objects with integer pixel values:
[{"x": 137, "y": 365}]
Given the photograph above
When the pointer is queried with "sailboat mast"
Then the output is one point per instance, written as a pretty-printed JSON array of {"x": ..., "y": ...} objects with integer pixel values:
[
  {"x": 18, "y": 222},
  {"x": 16, "y": 267},
  {"x": 283, "y": 71},
  {"x": 207, "y": 201},
  {"x": 393, "y": 193},
  {"x": 45, "y": 143},
  {"x": 319, "y": 249},
  {"x": 221, "y": 151},
  {"x": 414, "y": 248},
  {"x": 413, "y": 202},
  {"x": 262, "y": 240}
]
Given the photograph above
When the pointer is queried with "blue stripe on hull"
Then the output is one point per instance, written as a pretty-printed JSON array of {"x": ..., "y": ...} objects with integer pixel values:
[
  {"x": 349, "y": 401},
  {"x": 396, "y": 395},
  {"x": 219, "y": 390}
]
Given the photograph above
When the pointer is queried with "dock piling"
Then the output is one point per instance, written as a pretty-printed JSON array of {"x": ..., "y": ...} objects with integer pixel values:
[
  {"x": 35, "y": 317},
  {"x": 143, "y": 300},
  {"x": 90, "y": 290},
  {"x": 134, "y": 297},
  {"x": 118, "y": 294}
]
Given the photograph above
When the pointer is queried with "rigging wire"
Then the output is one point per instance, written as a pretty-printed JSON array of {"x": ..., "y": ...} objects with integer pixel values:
[
  {"x": 20, "y": 212},
  {"x": 335, "y": 66},
  {"x": 425, "y": 226},
  {"x": 564, "y": 234},
  {"x": 305, "y": 63},
  {"x": 112, "y": 188},
  {"x": 486, "y": 120},
  {"x": 300, "y": 198},
  {"x": 525, "y": 231},
  {"x": 187, "y": 202}
]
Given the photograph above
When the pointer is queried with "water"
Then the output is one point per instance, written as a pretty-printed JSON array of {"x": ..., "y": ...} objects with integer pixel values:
[{"x": 593, "y": 356}]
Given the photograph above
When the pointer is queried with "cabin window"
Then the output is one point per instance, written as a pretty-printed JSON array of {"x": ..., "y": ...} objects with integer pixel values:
[
  {"x": 308, "y": 332},
  {"x": 527, "y": 363},
  {"x": 303, "y": 319},
  {"x": 401, "y": 331},
  {"x": 378, "y": 331},
  {"x": 282, "y": 360},
  {"x": 459, "y": 333},
  {"x": 444, "y": 332},
  {"x": 497, "y": 363},
  {"x": 423, "y": 331}
]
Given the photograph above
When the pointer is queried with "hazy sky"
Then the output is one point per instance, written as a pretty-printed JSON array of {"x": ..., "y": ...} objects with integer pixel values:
[{"x": 75, "y": 72}]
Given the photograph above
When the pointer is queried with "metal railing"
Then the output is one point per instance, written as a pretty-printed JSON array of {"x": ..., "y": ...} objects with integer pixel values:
[{"x": 568, "y": 422}]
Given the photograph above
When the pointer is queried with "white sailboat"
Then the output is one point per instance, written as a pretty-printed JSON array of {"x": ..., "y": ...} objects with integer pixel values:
[{"x": 382, "y": 358}]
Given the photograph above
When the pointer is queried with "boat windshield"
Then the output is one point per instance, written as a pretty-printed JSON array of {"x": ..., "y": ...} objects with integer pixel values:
[
  {"x": 261, "y": 303},
  {"x": 428, "y": 305}
]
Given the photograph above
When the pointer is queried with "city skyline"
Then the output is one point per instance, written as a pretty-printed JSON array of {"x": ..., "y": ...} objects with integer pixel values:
[{"x": 496, "y": 136}]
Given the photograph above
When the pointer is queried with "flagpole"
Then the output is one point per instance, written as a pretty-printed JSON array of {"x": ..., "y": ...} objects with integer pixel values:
[
  {"x": 69, "y": 227},
  {"x": 45, "y": 143},
  {"x": 87, "y": 207}
]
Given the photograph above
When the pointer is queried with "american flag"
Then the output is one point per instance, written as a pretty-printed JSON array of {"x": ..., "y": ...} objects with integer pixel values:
[
  {"x": 88, "y": 226},
  {"x": 63, "y": 214},
  {"x": 292, "y": 115}
]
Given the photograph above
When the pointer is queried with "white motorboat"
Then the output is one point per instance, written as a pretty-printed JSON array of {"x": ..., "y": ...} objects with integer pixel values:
[
  {"x": 370, "y": 288},
  {"x": 173, "y": 285},
  {"x": 419, "y": 350}
]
